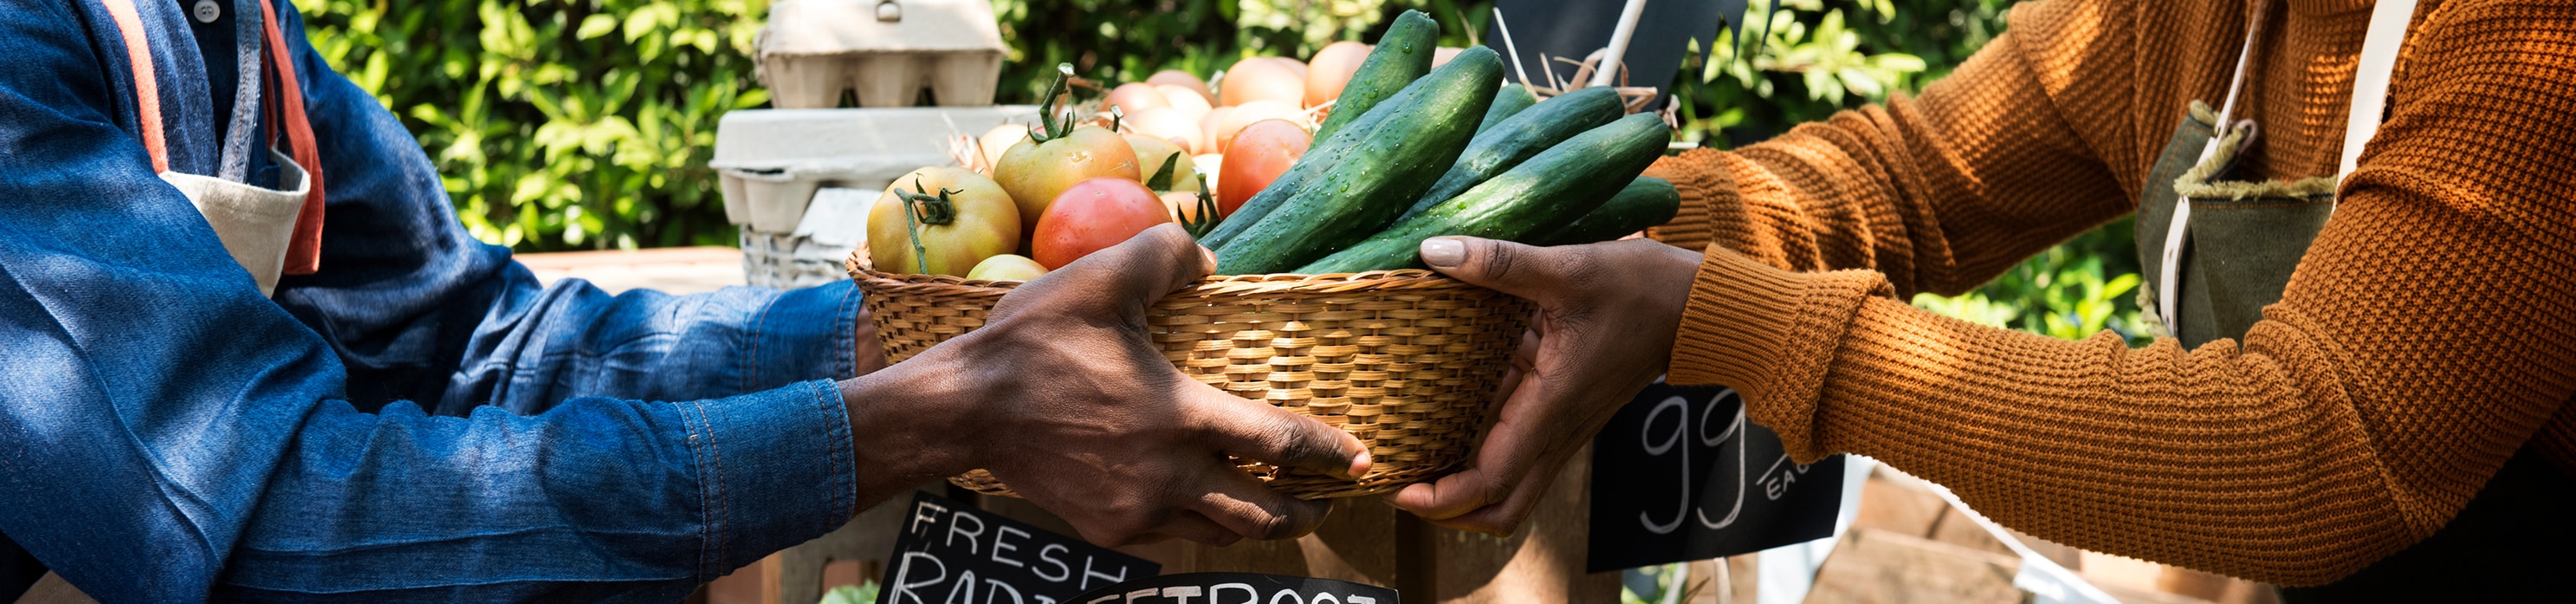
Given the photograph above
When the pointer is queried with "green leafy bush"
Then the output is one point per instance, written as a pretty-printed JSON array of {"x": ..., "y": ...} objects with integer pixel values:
[{"x": 560, "y": 124}]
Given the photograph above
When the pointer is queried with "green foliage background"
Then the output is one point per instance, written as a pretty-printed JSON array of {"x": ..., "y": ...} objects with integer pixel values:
[{"x": 587, "y": 124}]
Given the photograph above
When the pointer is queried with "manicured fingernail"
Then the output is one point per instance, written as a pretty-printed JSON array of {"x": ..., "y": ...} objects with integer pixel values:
[
  {"x": 1442, "y": 252},
  {"x": 1360, "y": 465}
]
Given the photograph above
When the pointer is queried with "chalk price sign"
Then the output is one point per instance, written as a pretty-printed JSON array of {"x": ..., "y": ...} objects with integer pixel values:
[
  {"x": 1679, "y": 475},
  {"x": 952, "y": 553}
]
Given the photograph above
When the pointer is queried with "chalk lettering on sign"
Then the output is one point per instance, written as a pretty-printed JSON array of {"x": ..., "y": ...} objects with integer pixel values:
[
  {"x": 1238, "y": 588},
  {"x": 1668, "y": 486},
  {"x": 953, "y": 553},
  {"x": 1062, "y": 572},
  {"x": 1671, "y": 444},
  {"x": 1002, "y": 543}
]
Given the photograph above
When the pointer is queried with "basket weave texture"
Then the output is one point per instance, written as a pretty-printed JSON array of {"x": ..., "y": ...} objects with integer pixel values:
[{"x": 1405, "y": 360}]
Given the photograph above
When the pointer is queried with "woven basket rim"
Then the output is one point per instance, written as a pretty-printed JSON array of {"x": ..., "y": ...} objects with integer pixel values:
[{"x": 1409, "y": 278}]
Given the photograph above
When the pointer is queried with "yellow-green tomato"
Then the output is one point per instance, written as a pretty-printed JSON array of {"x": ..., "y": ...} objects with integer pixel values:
[
  {"x": 1035, "y": 173},
  {"x": 1152, "y": 152},
  {"x": 978, "y": 222},
  {"x": 1007, "y": 267}
]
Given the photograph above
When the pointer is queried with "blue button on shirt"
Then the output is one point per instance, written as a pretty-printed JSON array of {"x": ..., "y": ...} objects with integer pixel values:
[{"x": 420, "y": 420}]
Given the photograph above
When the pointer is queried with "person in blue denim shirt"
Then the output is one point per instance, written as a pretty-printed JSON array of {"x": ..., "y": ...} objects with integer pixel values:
[{"x": 420, "y": 419}]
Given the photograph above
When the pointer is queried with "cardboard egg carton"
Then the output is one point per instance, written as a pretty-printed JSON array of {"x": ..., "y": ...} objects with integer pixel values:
[
  {"x": 774, "y": 164},
  {"x": 886, "y": 51}
]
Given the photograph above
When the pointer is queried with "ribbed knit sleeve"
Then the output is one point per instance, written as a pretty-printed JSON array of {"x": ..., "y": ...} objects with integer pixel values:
[
  {"x": 2429, "y": 332},
  {"x": 1940, "y": 193}
]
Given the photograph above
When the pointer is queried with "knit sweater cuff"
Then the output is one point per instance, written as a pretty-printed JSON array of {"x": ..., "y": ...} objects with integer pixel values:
[
  {"x": 1701, "y": 178},
  {"x": 1770, "y": 334}
]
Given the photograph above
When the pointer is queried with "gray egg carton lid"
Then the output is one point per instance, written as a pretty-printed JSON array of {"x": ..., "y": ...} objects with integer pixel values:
[
  {"x": 772, "y": 160},
  {"x": 832, "y": 27}
]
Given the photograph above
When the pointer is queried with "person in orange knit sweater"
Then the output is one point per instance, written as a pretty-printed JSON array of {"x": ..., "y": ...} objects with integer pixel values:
[{"x": 2425, "y": 343}]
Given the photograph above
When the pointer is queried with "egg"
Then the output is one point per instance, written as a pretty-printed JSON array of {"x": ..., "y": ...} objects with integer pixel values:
[
  {"x": 1331, "y": 70},
  {"x": 1189, "y": 102},
  {"x": 1261, "y": 79},
  {"x": 1183, "y": 79},
  {"x": 1208, "y": 126},
  {"x": 1246, "y": 114},
  {"x": 1441, "y": 56},
  {"x": 1135, "y": 97},
  {"x": 1168, "y": 124},
  {"x": 999, "y": 139}
]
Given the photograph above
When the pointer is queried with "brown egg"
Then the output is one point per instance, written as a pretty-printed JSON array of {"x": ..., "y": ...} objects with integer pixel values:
[
  {"x": 1291, "y": 64},
  {"x": 1255, "y": 111},
  {"x": 1261, "y": 79},
  {"x": 1208, "y": 125},
  {"x": 1168, "y": 124},
  {"x": 1331, "y": 70},
  {"x": 1188, "y": 102},
  {"x": 1135, "y": 97},
  {"x": 1175, "y": 77},
  {"x": 1441, "y": 56},
  {"x": 1000, "y": 139}
]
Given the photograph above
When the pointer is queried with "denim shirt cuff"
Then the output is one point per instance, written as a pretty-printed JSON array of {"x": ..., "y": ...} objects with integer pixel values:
[
  {"x": 760, "y": 459},
  {"x": 804, "y": 334}
]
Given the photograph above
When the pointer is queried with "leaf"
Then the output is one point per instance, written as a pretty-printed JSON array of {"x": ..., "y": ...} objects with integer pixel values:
[
  {"x": 596, "y": 25},
  {"x": 1162, "y": 180}
]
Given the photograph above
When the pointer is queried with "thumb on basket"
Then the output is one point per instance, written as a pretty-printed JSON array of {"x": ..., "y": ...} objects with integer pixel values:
[
  {"x": 1507, "y": 267},
  {"x": 1128, "y": 276}
]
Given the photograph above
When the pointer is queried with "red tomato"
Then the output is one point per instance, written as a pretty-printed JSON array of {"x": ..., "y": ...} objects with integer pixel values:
[
  {"x": 1092, "y": 215},
  {"x": 1036, "y": 173},
  {"x": 1261, "y": 152}
]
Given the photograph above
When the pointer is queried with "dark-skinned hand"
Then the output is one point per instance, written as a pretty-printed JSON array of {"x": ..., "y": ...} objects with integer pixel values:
[
  {"x": 1607, "y": 314},
  {"x": 1062, "y": 396}
]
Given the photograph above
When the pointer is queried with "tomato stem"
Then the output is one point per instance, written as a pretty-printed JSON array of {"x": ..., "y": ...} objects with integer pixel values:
[
  {"x": 1206, "y": 221},
  {"x": 1054, "y": 129},
  {"x": 921, "y": 207}
]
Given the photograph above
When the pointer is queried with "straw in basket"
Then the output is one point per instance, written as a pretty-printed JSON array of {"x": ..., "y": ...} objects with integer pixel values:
[{"x": 1406, "y": 360}]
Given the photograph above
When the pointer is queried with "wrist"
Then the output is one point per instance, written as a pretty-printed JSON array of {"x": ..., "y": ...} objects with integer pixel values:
[{"x": 910, "y": 427}]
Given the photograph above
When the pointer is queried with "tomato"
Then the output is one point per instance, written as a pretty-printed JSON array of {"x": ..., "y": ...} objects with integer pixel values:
[
  {"x": 1007, "y": 267},
  {"x": 1262, "y": 152},
  {"x": 1150, "y": 154},
  {"x": 1092, "y": 215},
  {"x": 982, "y": 223},
  {"x": 1035, "y": 173}
]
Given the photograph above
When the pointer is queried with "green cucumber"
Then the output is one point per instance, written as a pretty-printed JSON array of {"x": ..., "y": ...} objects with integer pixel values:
[
  {"x": 1510, "y": 101},
  {"x": 1560, "y": 184},
  {"x": 1520, "y": 137},
  {"x": 1646, "y": 201},
  {"x": 1393, "y": 73},
  {"x": 1387, "y": 167},
  {"x": 1401, "y": 56}
]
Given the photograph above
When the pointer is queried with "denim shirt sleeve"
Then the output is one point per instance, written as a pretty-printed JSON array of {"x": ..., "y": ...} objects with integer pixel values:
[{"x": 169, "y": 435}]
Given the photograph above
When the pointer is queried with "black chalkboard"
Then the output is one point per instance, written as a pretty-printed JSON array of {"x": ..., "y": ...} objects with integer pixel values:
[
  {"x": 950, "y": 552},
  {"x": 1236, "y": 588},
  {"x": 1679, "y": 475}
]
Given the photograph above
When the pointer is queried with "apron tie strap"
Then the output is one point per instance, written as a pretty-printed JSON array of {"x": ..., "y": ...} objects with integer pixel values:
[{"x": 304, "y": 251}]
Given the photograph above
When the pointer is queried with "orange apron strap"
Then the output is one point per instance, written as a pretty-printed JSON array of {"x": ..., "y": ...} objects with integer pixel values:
[
  {"x": 138, "y": 53},
  {"x": 304, "y": 252}
]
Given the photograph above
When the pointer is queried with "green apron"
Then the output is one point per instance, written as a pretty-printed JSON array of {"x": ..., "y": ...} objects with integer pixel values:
[{"x": 2243, "y": 240}]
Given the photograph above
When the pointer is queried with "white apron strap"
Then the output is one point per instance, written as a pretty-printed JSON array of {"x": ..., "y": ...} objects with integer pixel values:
[{"x": 2379, "y": 48}]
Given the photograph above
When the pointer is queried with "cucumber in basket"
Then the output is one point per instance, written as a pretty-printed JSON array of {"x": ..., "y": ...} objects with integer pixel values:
[
  {"x": 1401, "y": 56},
  {"x": 1509, "y": 102},
  {"x": 1328, "y": 148},
  {"x": 1544, "y": 193},
  {"x": 1646, "y": 201},
  {"x": 1385, "y": 170},
  {"x": 1520, "y": 137}
]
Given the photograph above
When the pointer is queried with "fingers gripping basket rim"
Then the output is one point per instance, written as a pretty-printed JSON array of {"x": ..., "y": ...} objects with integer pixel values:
[{"x": 1406, "y": 360}]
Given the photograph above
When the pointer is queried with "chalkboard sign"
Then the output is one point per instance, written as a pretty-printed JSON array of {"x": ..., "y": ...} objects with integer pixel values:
[
  {"x": 1679, "y": 475},
  {"x": 1236, "y": 588},
  {"x": 951, "y": 553}
]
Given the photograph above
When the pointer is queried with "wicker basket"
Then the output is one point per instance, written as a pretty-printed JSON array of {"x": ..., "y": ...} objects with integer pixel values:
[{"x": 1405, "y": 360}]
